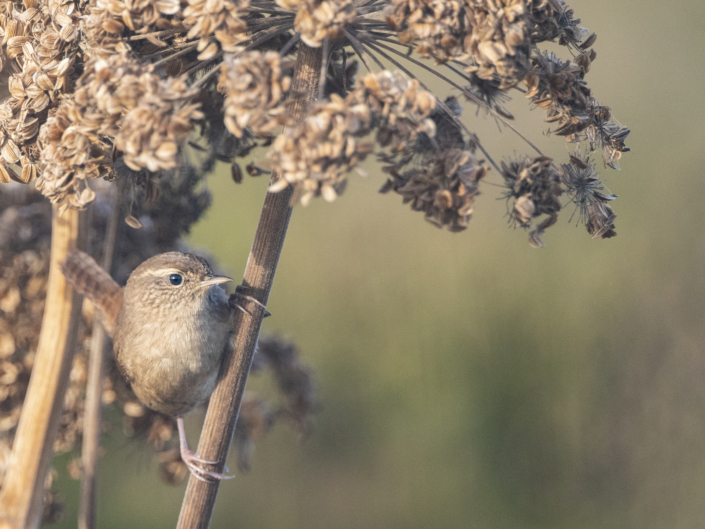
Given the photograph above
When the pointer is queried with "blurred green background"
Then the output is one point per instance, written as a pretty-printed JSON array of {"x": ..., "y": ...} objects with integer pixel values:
[{"x": 468, "y": 380}]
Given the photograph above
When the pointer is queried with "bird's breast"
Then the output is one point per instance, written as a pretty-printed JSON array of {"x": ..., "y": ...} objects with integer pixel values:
[{"x": 172, "y": 361}]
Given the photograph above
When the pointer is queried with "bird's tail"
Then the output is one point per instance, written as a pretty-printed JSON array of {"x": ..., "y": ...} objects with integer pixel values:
[{"x": 91, "y": 281}]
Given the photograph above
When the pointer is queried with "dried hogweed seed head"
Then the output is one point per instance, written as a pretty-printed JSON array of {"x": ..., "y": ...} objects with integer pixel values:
[
  {"x": 534, "y": 185},
  {"x": 41, "y": 43},
  {"x": 117, "y": 103},
  {"x": 255, "y": 88},
  {"x": 582, "y": 185},
  {"x": 493, "y": 33},
  {"x": 444, "y": 175},
  {"x": 316, "y": 157},
  {"x": 222, "y": 19},
  {"x": 586, "y": 192},
  {"x": 559, "y": 88},
  {"x": 317, "y": 20},
  {"x": 551, "y": 19}
]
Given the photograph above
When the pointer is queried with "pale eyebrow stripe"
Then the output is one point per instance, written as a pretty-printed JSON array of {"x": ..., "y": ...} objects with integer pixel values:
[{"x": 160, "y": 272}]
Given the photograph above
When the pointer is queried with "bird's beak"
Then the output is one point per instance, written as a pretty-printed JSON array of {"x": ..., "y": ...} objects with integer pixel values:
[{"x": 215, "y": 280}]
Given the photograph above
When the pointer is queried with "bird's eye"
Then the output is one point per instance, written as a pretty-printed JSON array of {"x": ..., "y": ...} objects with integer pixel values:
[{"x": 176, "y": 279}]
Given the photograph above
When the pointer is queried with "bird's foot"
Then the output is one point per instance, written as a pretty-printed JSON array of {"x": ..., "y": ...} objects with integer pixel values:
[
  {"x": 193, "y": 461},
  {"x": 240, "y": 294}
]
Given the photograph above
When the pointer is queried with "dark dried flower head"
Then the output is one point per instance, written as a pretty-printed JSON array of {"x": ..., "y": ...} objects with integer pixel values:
[
  {"x": 534, "y": 186},
  {"x": 294, "y": 381},
  {"x": 438, "y": 28},
  {"x": 553, "y": 19},
  {"x": 559, "y": 88},
  {"x": 601, "y": 221},
  {"x": 583, "y": 185},
  {"x": 444, "y": 188},
  {"x": 608, "y": 136}
]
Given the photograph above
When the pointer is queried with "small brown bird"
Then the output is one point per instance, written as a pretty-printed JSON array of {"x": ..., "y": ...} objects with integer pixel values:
[{"x": 170, "y": 326}]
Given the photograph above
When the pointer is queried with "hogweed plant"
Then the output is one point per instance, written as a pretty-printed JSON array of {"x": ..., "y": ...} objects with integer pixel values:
[{"x": 140, "y": 91}]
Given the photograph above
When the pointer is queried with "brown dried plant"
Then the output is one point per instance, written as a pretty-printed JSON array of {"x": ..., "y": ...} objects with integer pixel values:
[
  {"x": 137, "y": 92},
  {"x": 93, "y": 85}
]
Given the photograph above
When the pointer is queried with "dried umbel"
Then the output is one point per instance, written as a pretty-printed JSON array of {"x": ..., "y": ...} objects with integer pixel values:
[
  {"x": 117, "y": 105},
  {"x": 559, "y": 88},
  {"x": 254, "y": 87},
  {"x": 586, "y": 192},
  {"x": 438, "y": 174},
  {"x": 553, "y": 19},
  {"x": 219, "y": 18},
  {"x": 316, "y": 157},
  {"x": 40, "y": 43},
  {"x": 318, "y": 20},
  {"x": 160, "y": 84},
  {"x": 492, "y": 33},
  {"x": 107, "y": 23},
  {"x": 444, "y": 189},
  {"x": 534, "y": 185}
]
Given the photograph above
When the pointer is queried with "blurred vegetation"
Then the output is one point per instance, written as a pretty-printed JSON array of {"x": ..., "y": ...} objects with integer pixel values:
[{"x": 467, "y": 379}]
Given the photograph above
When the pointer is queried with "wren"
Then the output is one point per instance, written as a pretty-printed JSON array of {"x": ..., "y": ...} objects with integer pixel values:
[{"x": 170, "y": 326}]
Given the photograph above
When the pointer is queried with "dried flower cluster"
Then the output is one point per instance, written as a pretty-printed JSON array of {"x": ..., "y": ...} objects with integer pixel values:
[
  {"x": 586, "y": 192},
  {"x": 535, "y": 185},
  {"x": 254, "y": 87},
  {"x": 40, "y": 43},
  {"x": 552, "y": 19},
  {"x": 221, "y": 19},
  {"x": 438, "y": 175},
  {"x": 151, "y": 83},
  {"x": 493, "y": 34},
  {"x": 315, "y": 158},
  {"x": 143, "y": 116},
  {"x": 559, "y": 88},
  {"x": 318, "y": 20}
]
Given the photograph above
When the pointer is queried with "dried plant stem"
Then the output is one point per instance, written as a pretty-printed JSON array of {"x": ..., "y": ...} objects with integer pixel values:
[
  {"x": 216, "y": 437},
  {"x": 92, "y": 418},
  {"x": 23, "y": 488}
]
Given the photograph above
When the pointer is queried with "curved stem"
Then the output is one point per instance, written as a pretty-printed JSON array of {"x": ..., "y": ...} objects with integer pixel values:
[
  {"x": 92, "y": 418},
  {"x": 217, "y": 434},
  {"x": 23, "y": 489}
]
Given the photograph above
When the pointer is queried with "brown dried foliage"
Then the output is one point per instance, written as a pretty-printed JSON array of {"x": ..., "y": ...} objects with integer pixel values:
[
  {"x": 316, "y": 157},
  {"x": 151, "y": 83},
  {"x": 494, "y": 34},
  {"x": 118, "y": 105},
  {"x": 317, "y": 20},
  {"x": 255, "y": 87}
]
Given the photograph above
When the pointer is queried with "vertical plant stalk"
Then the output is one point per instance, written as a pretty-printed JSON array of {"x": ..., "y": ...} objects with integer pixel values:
[
  {"x": 93, "y": 418},
  {"x": 224, "y": 407},
  {"x": 21, "y": 499}
]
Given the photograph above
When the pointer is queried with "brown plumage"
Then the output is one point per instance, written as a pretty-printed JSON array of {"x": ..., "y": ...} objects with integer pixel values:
[
  {"x": 170, "y": 326},
  {"x": 91, "y": 281}
]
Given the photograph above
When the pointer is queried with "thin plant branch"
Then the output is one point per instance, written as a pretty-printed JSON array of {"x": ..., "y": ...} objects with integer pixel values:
[
  {"x": 179, "y": 53},
  {"x": 92, "y": 420},
  {"x": 465, "y": 92},
  {"x": 221, "y": 417},
  {"x": 324, "y": 70}
]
